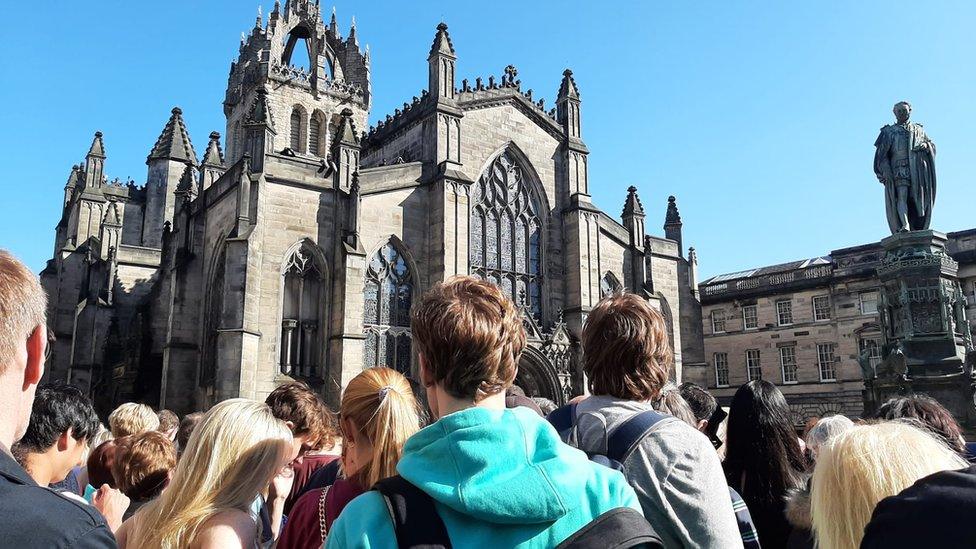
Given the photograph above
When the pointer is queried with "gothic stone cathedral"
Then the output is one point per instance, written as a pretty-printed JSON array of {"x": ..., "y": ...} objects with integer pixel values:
[{"x": 298, "y": 252}]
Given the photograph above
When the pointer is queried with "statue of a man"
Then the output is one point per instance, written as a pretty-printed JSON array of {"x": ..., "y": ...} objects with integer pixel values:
[{"x": 905, "y": 164}]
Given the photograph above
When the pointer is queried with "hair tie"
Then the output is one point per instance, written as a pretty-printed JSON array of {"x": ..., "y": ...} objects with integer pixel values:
[{"x": 384, "y": 391}]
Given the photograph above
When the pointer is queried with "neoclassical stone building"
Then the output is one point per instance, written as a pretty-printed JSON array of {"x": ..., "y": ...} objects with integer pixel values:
[{"x": 298, "y": 252}]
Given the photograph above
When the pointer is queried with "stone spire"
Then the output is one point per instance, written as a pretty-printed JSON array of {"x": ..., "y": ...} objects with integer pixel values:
[
  {"x": 633, "y": 218},
  {"x": 187, "y": 187},
  {"x": 95, "y": 162},
  {"x": 174, "y": 142},
  {"x": 352, "y": 32},
  {"x": 672, "y": 224},
  {"x": 74, "y": 179},
  {"x": 568, "y": 106},
  {"x": 567, "y": 88},
  {"x": 442, "y": 61},
  {"x": 632, "y": 206},
  {"x": 345, "y": 150},
  {"x": 333, "y": 23},
  {"x": 259, "y": 130},
  {"x": 214, "y": 155}
]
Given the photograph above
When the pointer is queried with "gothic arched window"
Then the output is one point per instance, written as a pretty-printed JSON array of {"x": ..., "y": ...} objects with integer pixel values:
[
  {"x": 386, "y": 319},
  {"x": 506, "y": 233},
  {"x": 609, "y": 285},
  {"x": 296, "y": 129},
  {"x": 301, "y": 322},
  {"x": 212, "y": 321},
  {"x": 315, "y": 140}
]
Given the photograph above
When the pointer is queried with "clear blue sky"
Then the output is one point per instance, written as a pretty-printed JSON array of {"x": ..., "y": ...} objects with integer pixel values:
[{"x": 759, "y": 116}]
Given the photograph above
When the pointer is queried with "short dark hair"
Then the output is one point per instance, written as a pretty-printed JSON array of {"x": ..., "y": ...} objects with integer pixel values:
[
  {"x": 297, "y": 402},
  {"x": 189, "y": 423},
  {"x": 142, "y": 465},
  {"x": 57, "y": 408},
  {"x": 702, "y": 403},
  {"x": 935, "y": 417},
  {"x": 626, "y": 350}
]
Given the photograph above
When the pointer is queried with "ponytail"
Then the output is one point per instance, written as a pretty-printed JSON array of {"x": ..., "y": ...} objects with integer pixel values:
[{"x": 380, "y": 402}]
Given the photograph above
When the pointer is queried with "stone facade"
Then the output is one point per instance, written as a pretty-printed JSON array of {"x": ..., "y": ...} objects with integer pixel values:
[
  {"x": 823, "y": 311},
  {"x": 298, "y": 253}
]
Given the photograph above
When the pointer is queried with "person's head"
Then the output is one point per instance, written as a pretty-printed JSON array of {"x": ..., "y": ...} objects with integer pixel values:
[
  {"x": 169, "y": 422},
  {"x": 378, "y": 414},
  {"x": 701, "y": 402},
  {"x": 672, "y": 403},
  {"x": 132, "y": 418},
  {"x": 101, "y": 460},
  {"x": 626, "y": 351},
  {"x": 864, "y": 465},
  {"x": 62, "y": 423},
  {"x": 902, "y": 110},
  {"x": 234, "y": 452},
  {"x": 927, "y": 410},
  {"x": 143, "y": 465},
  {"x": 469, "y": 337},
  {"x": 23, "y": 342},
  {"x": 824, "y": 431},
  {"x": 761, "y": 444},
  {"x": 301, "y": 410},
  {"x": 187, "y": 425}
]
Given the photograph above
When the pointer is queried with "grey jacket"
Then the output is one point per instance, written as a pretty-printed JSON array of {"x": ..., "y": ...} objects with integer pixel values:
[{"x": 674, "y": 470}]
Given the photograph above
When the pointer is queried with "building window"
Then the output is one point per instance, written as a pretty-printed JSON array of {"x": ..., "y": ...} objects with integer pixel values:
[
  {"x": 315, "y": 135},
  {"x": 506, "y": 233},
  {"x": 784, "y": 312},
  {"x": 753, "y": 365},
  {"x": 826, "y": 361},
  {"x": 387, "y": 297},
  {"x": 300, "y": 346},
  {"x": 869, "y": 303},
  {"x": 296, "y": 129},
  {"x": 873, "y": 346},
  {"x": 787, "y": 361},
  {"x": 609, "y": 285},
  {"x": 821, "y": 308},
  {"x": 721, "y": 361},
  {"x": 750, "y": 317},
  {"x": 718, "y": 321}
]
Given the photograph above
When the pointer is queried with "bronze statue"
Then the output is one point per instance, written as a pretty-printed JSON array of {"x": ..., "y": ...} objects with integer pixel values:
[{"x": 905, "y": 164}]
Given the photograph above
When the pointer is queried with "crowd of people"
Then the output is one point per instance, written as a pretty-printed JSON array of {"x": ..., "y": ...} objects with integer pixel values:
[{"x": 469, "y": 460}]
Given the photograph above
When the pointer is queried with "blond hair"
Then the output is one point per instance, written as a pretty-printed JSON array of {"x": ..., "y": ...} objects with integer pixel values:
[
  {"x": 132, "y": 419},
  {"x": 234, "y": 453},
  {"x": 381, "y": 404},
  {"x": 864, "y": 465},
  {"x": 23, "y": 306}
]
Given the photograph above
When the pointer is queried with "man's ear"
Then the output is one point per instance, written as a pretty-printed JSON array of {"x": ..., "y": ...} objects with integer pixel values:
[
  {"x": 63, "y": 441},
  {"x": 291, "y": 426},
  {"x": 36, "y": 345},
  {"x": 425, "y": 376},
  {"x": 703, "y": 425}
]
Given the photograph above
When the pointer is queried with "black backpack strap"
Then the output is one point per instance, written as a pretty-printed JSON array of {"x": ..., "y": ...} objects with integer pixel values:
[
  {"x": 415, "y": 519},
  {"x": 563, "y": 418},
  {"x": 618, "y": 528},
  {"x": 622, "y": 441}
]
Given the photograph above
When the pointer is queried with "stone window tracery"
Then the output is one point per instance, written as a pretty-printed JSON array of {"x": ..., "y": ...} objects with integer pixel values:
[
  {"x": 387, "y": 295},
  {"x": 301, "y": 322},
  {"x": 506, "y": 233}
]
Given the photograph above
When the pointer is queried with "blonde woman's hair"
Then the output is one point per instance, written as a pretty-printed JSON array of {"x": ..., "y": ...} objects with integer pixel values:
[
  {"x": 231, "y": 456},
  {"x": 132, "y": 419},
  {"x": 381, "y": 404},
  {"x": 864, "y": 465}
]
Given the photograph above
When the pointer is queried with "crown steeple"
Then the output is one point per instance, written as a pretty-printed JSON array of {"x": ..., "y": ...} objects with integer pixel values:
[{"x": 174, "y": 141}]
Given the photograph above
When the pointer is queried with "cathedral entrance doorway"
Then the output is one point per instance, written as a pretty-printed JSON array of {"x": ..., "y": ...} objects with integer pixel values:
[{"x": 537, "y": 376}]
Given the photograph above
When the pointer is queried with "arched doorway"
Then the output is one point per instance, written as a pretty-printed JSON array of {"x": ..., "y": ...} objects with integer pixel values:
[{"x": 537, "y": 377}]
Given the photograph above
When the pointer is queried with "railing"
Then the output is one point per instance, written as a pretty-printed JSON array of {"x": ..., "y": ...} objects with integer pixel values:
[{"x": 769, "y": 281}]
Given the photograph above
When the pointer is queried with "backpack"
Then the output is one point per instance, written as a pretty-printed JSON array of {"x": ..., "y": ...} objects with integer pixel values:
[{"x": 621, "y": 442}]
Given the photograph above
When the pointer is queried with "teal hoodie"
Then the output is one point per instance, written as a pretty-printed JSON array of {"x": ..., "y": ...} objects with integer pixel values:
[{"x": 499, "y": 478}]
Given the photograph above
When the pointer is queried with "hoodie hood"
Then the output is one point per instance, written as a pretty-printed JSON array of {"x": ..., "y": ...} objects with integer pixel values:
[{"x": 499, "y": 466}]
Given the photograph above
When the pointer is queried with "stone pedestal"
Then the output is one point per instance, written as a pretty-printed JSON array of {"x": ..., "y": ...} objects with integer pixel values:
[{"x": 927, "y": 345}]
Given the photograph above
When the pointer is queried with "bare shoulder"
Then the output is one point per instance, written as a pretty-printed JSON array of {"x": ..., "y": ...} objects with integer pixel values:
[{"x": 230, "y": 528}]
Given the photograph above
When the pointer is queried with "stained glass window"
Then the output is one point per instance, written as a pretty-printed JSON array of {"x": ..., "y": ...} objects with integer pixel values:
[
  {"x": 300, "y": 347},
  {"x": 386, "y": 321},
  {"x": 505, "y": 233}
]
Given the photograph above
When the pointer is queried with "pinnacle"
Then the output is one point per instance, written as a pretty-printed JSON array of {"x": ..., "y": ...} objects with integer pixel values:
[
  {"x": 633, "y": 206},
  {"x": 442, "y": 42},
  {"x": 567, "y": 88},
  {"x": 672, "y": 217},
  {"x": 97, "y": 147},
  {"x": 214, "y": 156},
  {"x": 174, "y": 141}
]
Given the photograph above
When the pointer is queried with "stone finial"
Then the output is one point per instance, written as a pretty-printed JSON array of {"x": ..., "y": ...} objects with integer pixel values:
[
  {"x": 632, "y": 205},
  {"x": 672, "y": 217},
  {"x": 352, "y": 31},
  {"x": 346, "y": 133},
  {"x": 214, "y": 155},
  {"x": 508, "y": 76},
  {"x": 692, "y": 255},
  {"x": 97, "y": 147},
  {"x": 442, "y": 42},
  {"x": 187, "y": 186},
  {"x": 260, "y": 111},
  {"x": 567, "y": 88},
  {"x": 174, "y": 141}
]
